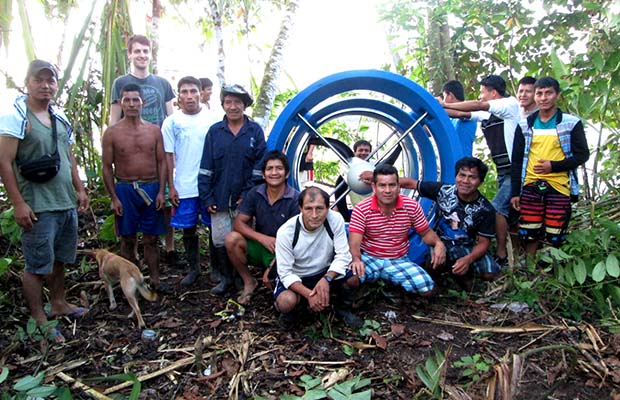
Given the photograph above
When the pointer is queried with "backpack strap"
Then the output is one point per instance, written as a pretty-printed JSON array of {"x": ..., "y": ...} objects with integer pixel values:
[{"x": 298, "y": 228}]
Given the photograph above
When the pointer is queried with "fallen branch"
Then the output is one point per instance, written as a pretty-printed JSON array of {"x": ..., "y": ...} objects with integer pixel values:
[
  {"x": 304, "y": 362},
  {"x": 53, "y": 371},
  {"x": 495, "y": 329},
  {"x": 85, "y": 388},
  {"x": 177, "y": 364}
]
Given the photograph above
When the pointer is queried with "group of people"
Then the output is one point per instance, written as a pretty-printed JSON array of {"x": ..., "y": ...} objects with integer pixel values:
[
  {"x": 536, "y": 149},
  {"x": 216, "y": 171}
]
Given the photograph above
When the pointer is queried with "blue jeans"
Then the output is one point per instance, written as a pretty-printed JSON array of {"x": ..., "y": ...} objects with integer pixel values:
[{"x": 501, "y": 201}]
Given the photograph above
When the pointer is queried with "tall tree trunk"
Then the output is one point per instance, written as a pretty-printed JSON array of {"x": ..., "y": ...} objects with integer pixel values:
[
  {"x": 440, "y": 65},
  {"x": 115, "y": 30},
  {"x": 268, "y": 87},
  {"x": 216, "y": 14},
  {"x": 155, "y": 35}
]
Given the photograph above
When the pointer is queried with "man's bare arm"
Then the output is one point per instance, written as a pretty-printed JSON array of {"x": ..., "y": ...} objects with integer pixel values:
[
  {"x": 439, "y": 249},
  {"x": 467, "y": 105},
  {"x": 24, "y": 216},
  {"x": 458, "y": 114},
  {"x": 355, "y": 247},
  {"x": 169, "y": 107},
  {"x": 461, "y": 266},
  {"x": 161, "y": 167},
  {"x": 107, "y": 167},
  {"x": 173, "y": 195},
  {"x": 242, "y": 225}
]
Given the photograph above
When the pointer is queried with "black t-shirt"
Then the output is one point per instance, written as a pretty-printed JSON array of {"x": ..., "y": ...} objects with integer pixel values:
[{"x": 460, "y": 221}]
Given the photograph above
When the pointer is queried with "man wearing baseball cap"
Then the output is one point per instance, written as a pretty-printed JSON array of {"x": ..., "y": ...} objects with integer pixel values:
[
  {"x": 498, "y": 114},
  {"x": 40, "y": 176},
  {"x": 230, "y": 167}
]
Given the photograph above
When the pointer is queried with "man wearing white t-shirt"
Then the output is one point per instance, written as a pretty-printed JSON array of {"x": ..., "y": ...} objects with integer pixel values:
[
  {"x": 498, "y": 114},
  {"x": 184, "y": 135}
]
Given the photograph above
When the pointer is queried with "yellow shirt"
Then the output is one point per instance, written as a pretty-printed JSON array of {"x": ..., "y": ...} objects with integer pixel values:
[{"x": 546, "y": 146}]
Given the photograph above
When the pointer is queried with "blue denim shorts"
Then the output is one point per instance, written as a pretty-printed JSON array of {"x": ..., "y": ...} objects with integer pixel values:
[
  {"x": 187, "y": 213},
  {"x": 53, "y": 237},
  {"x": 501, "y": 201}
]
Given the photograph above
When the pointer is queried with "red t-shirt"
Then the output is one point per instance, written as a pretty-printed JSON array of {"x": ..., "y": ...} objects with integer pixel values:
[{"x": 387, "y": 236}]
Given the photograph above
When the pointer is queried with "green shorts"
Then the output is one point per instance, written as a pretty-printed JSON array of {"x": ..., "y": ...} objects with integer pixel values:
[{"x": 259, "y": 256}]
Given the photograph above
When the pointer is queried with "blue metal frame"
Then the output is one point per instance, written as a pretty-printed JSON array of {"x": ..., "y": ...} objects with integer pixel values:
[{"x": 318, "y": 103}]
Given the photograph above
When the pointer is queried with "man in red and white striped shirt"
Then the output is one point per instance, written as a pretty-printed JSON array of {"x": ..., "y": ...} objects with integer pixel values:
[{"x": 378, "y": 236}]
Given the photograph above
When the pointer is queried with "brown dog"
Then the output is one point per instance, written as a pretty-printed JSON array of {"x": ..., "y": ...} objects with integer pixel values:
[{"x": 112, "y": 269}]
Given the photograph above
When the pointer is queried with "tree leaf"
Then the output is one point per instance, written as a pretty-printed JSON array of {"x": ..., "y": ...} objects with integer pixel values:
[
  {"x": 599, "y": 272},
  {"x": 28, "y": 382},
  {"x": 559, "y": 68},
  {"x": 579, "y": 269},
  {"x": 4, "y": 374},
  {"x": 41, "y": 391},
  {"x": 611, "y": 263},
  {"x": 315, "y": 394}
]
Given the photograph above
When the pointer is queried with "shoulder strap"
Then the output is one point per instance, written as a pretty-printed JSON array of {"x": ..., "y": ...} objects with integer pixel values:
[
  {"x": 328, "y": 229},
  {"x": 298, "y": 228},
  {"x": 296, "y": 234}
]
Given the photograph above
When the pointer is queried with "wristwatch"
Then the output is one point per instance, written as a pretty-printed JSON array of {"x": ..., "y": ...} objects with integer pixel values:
[{"x": 328, "y": 278}]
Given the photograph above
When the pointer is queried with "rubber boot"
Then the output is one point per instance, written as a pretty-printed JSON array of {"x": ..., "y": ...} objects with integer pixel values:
[
  {"x": 214, "y": 273},
  {"x": 226, "y": 272},
  {"x": 192, "y": 252},
  {"x": 344, "y": 307}
]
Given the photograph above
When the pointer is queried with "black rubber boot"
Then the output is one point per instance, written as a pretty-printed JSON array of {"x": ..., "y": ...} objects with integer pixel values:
[
  {"x": 344, "y": 308},
  {"x": 214, "y": 273},
  {"x": 192, "y": 252},
  {"x": 225, "y": 270}
]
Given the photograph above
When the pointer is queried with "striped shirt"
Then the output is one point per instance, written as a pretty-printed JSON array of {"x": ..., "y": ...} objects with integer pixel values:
[{"x": 387, "y": 236}]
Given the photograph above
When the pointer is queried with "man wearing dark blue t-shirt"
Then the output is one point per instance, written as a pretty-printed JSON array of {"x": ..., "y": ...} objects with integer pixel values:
[{"x": 268, "y": 205}]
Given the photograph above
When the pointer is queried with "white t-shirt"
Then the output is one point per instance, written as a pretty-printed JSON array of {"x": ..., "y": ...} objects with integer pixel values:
[
  {"x": 184, "y": 135},
  {"x": 506, "y": 108}
]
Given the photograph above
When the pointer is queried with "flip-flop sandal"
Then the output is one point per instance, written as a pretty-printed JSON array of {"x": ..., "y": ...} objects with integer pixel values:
[{"x": 79, "y": 312}]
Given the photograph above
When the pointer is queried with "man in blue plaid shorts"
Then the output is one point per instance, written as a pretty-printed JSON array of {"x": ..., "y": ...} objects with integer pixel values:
[{"x": 379, "y": 236}]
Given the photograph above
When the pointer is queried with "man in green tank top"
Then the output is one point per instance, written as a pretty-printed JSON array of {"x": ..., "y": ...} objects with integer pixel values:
[{"x": 46, "y": 211}]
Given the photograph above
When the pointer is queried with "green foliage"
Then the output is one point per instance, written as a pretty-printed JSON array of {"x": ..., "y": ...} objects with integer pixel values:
[
  {"x": 4, "y": 265},
  {"x": 576, "y": 42},
  {"x": 474, "y": 367},
  {"x": 322, "y": 330},
  {"x": 326, "y": 171},
  {"x": 36, "y": 332},
  {"x": 583, "y": 275},
  {"x": 107, "y": 232},
  {"x": 32, "y": 386},
  {"x": 342, "y": 391},
  {"x": 588, "y": 264},
  {"x": 9, "y": 227},
  {"x": 370, "y": 326},
  {"x": 432, "y": 372}
]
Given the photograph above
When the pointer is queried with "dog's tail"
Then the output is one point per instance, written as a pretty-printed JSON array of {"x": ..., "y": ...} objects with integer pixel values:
[{"x": 146, "y": 291}]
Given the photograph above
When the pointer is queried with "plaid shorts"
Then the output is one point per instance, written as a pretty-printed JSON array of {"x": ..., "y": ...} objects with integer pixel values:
[{"x": 400, "y": 271}]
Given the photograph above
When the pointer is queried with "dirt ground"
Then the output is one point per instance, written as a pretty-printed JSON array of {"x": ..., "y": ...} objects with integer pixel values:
[{"x": 198, "y": 353}]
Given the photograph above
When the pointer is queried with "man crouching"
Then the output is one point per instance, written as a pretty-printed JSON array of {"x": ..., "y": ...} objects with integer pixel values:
[{"x": 312, "y": 256}]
